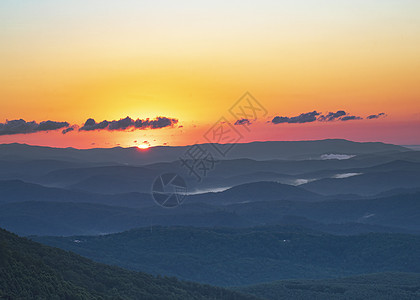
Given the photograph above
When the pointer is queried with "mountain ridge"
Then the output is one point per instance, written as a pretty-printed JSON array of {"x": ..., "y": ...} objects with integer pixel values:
[{"x": 258, "y": 150}]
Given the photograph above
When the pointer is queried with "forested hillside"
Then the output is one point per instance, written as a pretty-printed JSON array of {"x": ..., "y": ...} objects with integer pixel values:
[
  {"x": 229, "y": 256},
  {"x": 398, "y": 286},
  {"x": 29, "y": 270}
]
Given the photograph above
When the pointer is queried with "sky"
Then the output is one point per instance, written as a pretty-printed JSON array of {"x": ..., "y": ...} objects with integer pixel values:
[{"x": 175, "y": 68}]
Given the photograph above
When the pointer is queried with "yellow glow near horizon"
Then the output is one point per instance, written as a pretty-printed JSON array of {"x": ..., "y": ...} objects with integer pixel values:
[{"x": 191, "y": 60}]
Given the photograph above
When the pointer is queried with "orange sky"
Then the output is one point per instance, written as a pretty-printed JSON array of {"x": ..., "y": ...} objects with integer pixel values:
[{"x": 191, "y": 61}]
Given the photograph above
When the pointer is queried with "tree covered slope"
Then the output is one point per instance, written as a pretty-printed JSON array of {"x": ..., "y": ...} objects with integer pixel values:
[
  {"x": 229, "y": 256},
  {"x": 398, "y": 286},
  {"x": 29, "y": 270}
]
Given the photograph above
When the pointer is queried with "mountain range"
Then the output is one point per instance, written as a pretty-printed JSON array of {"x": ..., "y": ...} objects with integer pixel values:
[{"x": 268, "y": 218}]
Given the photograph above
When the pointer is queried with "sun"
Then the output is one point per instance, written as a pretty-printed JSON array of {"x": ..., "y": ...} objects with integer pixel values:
[{"x": 143, "y": 146}]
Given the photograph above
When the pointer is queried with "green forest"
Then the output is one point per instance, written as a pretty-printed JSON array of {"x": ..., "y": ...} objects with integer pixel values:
[
  {"x": 401, "y": 286},
  {"x": 234, "y": 257},
  {"x": 29, "y": 270}
]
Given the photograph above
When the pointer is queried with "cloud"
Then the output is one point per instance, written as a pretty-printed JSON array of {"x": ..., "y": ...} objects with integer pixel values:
[
  {"x": 127, "y": 123},
  {"x": 349, "y": 118},
  {"x": 302, "y": 118},
  {"x": 159, "y": 122},
  {"x": 336, "y": 156},
  {"x": 376, "y": 116},
  {"x": 67, "y": 130},
  {"x": 121, "y": 124},
  {"x": 332, "y": 116},
  {"x": 345, "y": 175},
  {"x": 91, "y": 124},
  {"x": 242, "y": 122},
  {"x": 51, "y": 125},
  {"x": 22, "y": 127},
  {"x": 339, "y": 115}
]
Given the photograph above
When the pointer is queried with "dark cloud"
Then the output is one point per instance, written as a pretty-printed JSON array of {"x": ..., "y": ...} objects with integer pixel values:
[
  {"x": 91, "y": 124},
  {"x": 159, "y": 122},
  {"x": 64, "y": 131},
  {"x": 242, "y": 122},
  {"x": 67, "y": 130},
  {"x": 51, "y": 125},
  {"x": 121, "y": 124},
  {"x": 23, "y": 127},
  {"x": 340, "y": 115},
  {"x": 349, "y": 118},
  {"x": 126, "y": 123},
  {"x": 376, "y": 116},
  {"x": 332, "y": 116},
  {"x": 302, "y": 118}
]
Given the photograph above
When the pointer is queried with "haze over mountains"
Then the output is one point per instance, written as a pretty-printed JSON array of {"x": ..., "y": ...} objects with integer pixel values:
[
  {"x": 315, "y": 209},
  {"x": 43, "y": 189}
]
